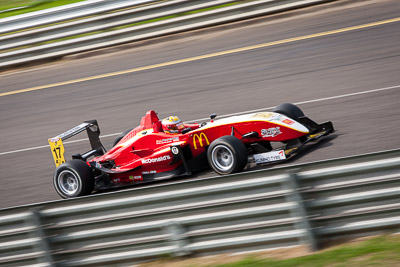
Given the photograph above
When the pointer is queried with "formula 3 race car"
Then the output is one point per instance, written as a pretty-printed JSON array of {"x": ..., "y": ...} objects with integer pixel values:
[{"x": 147, "y": 153}]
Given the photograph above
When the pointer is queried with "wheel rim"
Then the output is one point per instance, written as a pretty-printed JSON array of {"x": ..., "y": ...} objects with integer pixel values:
[
  {"x": 222, "y": 158},
  {"x": 68, "y": 182}
]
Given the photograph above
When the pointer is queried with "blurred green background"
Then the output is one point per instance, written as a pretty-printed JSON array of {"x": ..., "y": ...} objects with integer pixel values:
[{"x": 16, "y": 7}]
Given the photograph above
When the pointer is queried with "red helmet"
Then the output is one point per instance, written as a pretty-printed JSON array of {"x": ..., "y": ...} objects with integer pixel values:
[{"x": 172, "y": 125}]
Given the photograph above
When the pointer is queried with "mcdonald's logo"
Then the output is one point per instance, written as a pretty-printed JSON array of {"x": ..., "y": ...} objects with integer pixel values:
[{"x": 200, "y": 139}]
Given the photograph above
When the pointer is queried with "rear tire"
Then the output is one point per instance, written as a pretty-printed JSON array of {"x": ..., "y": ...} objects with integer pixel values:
[
  {"x": 227, "y": 155},
  {"x": 289, "y": 110},
  {"x": 73, "y": 179}
]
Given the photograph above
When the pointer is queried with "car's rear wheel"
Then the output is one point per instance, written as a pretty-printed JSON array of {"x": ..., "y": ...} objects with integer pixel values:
[
  {"x": 227, "y": 154},
  {"x": 73, "y": 178},
  {"x": 289, "y": 110},
  {"x": 119, "y": 137}
]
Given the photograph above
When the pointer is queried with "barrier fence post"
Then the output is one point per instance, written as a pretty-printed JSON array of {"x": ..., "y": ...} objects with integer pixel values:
[
  {"x": 176, "y": 232},
  {"x": 42, "y": 245},
  {"x": 300, "y": 211}
]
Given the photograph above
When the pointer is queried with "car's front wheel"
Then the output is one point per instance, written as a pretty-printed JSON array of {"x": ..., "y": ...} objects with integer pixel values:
[
  {"x": 73, "y": 178},
  {"x": 290, "y": 110},
  {"x": 227, "y": 154}
]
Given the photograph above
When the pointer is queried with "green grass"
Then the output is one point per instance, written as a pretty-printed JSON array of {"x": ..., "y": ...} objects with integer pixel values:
[
  {"x": 34, "y": 5},
  {"x": 380, "y": 251}
]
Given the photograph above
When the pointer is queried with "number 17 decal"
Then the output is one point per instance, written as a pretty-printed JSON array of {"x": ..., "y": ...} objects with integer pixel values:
[{"x": 57, "y": 149}]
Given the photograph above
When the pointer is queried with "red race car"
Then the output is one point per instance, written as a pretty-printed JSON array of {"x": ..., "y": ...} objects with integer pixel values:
[{"x": 163, "y": 149}]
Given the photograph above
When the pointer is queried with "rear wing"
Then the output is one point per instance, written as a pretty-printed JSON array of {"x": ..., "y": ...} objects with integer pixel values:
[{"x": 93, "y": 132}]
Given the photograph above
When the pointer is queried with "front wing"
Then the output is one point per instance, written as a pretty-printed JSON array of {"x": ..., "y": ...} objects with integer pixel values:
[{"x": 294, "y": 147}]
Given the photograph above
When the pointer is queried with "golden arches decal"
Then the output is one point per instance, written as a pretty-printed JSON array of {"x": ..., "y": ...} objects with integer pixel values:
[{"x": 200, "y": 137}]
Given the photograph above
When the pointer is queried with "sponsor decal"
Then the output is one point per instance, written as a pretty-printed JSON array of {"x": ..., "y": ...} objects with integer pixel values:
[
  {"x": 81, "y": 127},
  {"x": 135, "y": 178},
  {"x": 271, "y": 132},
  {"x": 265, "y": 115},
  {"x": 269, "y": 156},
  {"x": 166, "y": 141},
  {"x": 149, "y": 172},
  {"x": 200, "y": 138},
  {"x": 153, "y": 160},
  {"x": 287, "y": 121},
  {"x": 54, "y": 139},
  {"x": 276, "y": 117},
  {"x": 57, "y": 149},
  {"x": 174, "y": 150}
]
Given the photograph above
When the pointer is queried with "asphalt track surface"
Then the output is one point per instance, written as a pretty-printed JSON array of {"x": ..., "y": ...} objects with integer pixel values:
[{"x": 339, "y": 62}]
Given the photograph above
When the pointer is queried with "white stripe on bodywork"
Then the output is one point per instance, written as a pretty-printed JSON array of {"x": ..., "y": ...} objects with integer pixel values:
[{"x": 253, "y": 118}]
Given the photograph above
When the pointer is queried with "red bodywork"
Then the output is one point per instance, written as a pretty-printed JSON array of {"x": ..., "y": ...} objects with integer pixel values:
[{"x": 146, "y": 150}]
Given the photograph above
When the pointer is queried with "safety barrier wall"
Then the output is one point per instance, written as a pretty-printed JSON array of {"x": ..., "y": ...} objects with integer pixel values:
[
  {"x": 130, "y": 25},
  {"x": 309, "y": 204},
  {"x": 64, "y": 13}
]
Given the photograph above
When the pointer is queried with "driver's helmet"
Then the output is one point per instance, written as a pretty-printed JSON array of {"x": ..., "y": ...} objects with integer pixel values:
[{"x": 172, "y": 125}]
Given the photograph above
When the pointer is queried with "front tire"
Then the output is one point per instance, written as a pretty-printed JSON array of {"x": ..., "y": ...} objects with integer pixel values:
[
  {"x": 73, "y": 179},
  {"x": 227, "y": 155},
  {"x": 289, "y": 110}
]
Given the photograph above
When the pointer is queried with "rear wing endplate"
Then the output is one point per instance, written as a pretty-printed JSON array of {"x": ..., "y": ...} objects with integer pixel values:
[{"x": 93, "y": 132}]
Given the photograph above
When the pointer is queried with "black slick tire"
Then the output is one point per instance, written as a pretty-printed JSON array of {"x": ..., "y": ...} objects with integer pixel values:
[
  {"x": 227, "y": 155},
  {"x": 290, "y": 110},
  {"x": 73, "y": 179}
]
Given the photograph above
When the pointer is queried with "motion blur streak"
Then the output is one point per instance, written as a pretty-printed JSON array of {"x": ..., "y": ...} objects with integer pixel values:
[
  {"x": 223, "y": 116},
  {"x": 232, "y": 51}
]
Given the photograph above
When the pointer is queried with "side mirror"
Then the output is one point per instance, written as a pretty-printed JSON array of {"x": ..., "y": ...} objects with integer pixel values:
[{"x": 213, "y": 116}]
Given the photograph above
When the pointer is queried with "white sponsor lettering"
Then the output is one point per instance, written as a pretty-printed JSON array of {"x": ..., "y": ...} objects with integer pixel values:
[
  {"x": 271, "y": 132},
  {"x": 153, "y": 160},
  {"x": 54, "y": 139},
  {"x": 149, "y": 172},
  {"x": 81, "y": 127},
  {"x": 276, "y": 117},
  {"x": 166, "y": 141},
  {"x": 269, "y": 156}
]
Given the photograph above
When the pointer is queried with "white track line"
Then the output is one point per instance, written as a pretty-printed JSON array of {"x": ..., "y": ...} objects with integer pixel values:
[
  {"x": 38, "y": 147},
  {"x": 227, "y": 115}
]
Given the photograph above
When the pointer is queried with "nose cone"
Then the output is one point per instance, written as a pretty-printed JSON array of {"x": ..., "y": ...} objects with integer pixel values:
[
  {"x": 286, "y": 122},
  {"x": 298, "y": 127}
]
